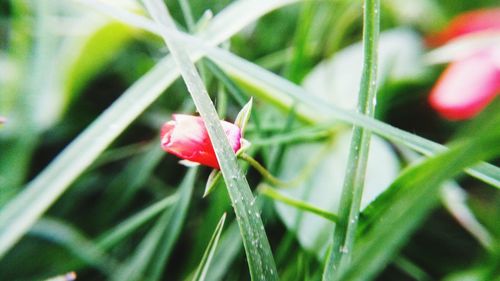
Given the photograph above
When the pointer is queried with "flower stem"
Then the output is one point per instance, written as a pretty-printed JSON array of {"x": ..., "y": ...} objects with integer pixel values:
[
  {"x": 264, "y": 172},
  {"x": 276, "y": 195},
  {"x": 345, "y": 229},
  {"x": 304, "y": 173}
]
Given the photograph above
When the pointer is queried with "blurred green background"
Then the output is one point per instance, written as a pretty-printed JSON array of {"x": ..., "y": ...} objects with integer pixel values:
[{"x": 62, "y": 64}]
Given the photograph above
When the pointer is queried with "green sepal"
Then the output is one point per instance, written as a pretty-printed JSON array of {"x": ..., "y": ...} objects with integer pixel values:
[
  {"x": 243, "y": 116},
  {"x": 212, "y": 181}
]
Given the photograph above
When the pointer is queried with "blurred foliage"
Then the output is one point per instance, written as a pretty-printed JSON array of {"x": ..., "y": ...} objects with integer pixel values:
[{"x": 62, "y": 64}]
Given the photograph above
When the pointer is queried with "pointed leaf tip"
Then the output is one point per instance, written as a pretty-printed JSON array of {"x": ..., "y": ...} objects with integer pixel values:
[
  {"x": 243, "y": 116},
  {"x": 212, "y": 181}
]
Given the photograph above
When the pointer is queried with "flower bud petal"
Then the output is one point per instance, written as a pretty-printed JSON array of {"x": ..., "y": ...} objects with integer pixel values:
[{"x": 186, "y": 137}]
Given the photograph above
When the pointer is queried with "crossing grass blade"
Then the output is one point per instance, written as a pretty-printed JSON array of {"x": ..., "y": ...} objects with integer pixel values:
[
  {"x": 201, "y": 272},
  {"x": 151, "y": 255},
  {"x": 390, "y": 219},
  {"x": 258, "y": 251},
  {"x": 119, "y": 232}
]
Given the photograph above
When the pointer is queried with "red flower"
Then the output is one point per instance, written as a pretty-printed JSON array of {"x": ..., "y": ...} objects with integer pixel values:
[
  {"x": 469, "y": 84},
  {"x": 466, "y": 23},
  {"x": 186, "y": 137}
]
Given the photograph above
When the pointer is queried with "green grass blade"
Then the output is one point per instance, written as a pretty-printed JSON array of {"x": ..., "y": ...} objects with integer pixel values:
[
  {"x": 201, "y": 272},
  {"x": 113, "y": 236},
  {"x": 227, "y": 252},
  {"x": 174, "y": 227},
  {"x": 398, "y": 211},
  {"x": 124, "y": 186},
  {"x": 80, "y": 246},
  {"x": 151, "y": 255},
  {"x": 297, "y": 69},
  {"x": 259, "y": 255},
  {"x": 454, "y": 200},
  {"x": 45, "y": 189},
  {"x": 354, "y": 181}
]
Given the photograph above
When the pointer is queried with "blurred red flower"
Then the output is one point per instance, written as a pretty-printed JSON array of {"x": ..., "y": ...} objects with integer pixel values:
[
  {"x": 469, "y": 84},
  {"x": 466, "y": 23},
  {"x": 186, "y": 137}
]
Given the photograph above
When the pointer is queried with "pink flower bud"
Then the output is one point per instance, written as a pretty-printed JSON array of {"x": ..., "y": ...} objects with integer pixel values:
[
  {"x": 468, "y": 85},
  {"x": 186, "y": 137}
]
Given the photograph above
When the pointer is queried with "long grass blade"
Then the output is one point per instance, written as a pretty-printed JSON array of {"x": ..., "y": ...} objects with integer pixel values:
[
  {"x": 259, "y": 256},
  {"x": 350, "y": 202},
  {"x": 398, "y": 211},
  {"x": 201, "y": 272},
  {"x": 113, "y": 236}
]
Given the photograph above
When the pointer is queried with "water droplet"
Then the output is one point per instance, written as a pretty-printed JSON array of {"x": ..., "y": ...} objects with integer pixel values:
[{"x": 257, "y": 214}]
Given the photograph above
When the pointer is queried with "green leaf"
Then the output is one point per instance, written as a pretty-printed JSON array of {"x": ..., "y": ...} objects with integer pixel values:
[{"x": 203, "y": 267}]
